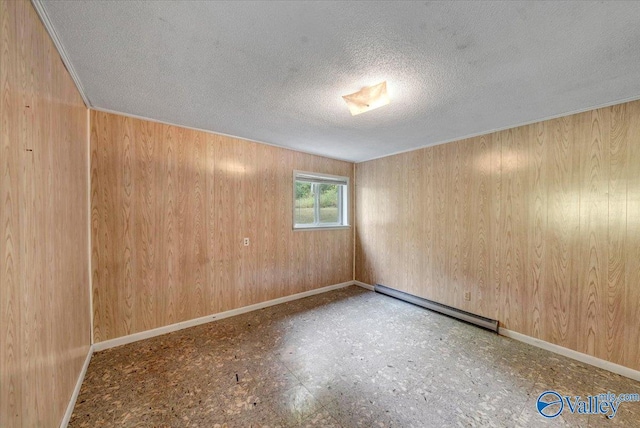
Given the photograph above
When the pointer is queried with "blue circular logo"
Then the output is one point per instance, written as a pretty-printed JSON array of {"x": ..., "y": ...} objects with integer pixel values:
[{"x": 550, "y": 404}]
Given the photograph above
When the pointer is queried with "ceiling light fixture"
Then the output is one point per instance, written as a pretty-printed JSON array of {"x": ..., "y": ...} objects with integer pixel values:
[{"x": 368, "y": 98}]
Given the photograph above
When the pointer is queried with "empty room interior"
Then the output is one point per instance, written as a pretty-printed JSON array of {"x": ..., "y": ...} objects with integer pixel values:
[{"x": 332, "y": 214}]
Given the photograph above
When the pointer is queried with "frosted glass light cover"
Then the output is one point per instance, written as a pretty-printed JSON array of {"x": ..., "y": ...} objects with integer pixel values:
[{"x": 367, "y": 98}]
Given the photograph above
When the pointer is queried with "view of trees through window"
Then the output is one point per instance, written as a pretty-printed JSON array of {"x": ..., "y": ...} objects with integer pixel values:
[{"x": 324, "y": 197}]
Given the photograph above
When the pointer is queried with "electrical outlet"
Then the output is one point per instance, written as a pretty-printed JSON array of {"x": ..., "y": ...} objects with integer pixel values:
[
  {"x": 467, "y": 296},
  {"x": 246, "y": 242}
]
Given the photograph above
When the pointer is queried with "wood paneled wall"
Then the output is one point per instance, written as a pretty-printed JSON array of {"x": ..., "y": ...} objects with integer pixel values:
[
  {"x": 44, "y": 214},
  {"x": 540, "y": 223},
  {"x": 170, "y": 207}
]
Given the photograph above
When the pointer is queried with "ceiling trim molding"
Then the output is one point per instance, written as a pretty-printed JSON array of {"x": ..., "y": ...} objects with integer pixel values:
[
  {"x": 208, "y": 131},
  {"x": 42, "y": 13},
  {"x": 504, "y": 128}
]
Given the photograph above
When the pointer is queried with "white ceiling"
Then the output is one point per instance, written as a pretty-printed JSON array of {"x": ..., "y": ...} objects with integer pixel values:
[{"x": 275, "y": 72}]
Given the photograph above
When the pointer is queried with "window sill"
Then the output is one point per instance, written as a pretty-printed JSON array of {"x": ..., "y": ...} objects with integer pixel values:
[{"x": 306, "y": 228}]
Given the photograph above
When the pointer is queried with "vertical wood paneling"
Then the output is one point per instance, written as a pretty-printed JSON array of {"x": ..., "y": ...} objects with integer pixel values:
[
  {"x": 10, "y": 253},
  {"x": 146, "y": 232},
  {"x": 45, "y": 334},
  {"x": 513, "y": 167},
  {"x": 96, "y": 226},
  {"x": 197, "y": 186},
  {"x": 452, "y": 221},
  {"x": 424, "y": 170},
  {"x": 284, "y": 200},
  {"x": 439, "y": 223},
  {"x": 168, "y": 244},
  {"x": 125, "y": 265},
  {"x": 395, "y": 199},
  {"x": 414, "y": 246},
  {"x": 594, "y": 212},
  {"x": 366, "y": 197},
  {"x": 495, "y": 262},
  {"x": 536, "y": 208},
  {"x": 632, "y": 249},
  {"x": 540, "y": 223},
  {"x": 185, "y": 204},
  {"x": 617, "y": 281},
  {"x": 466, "y": 238},
  {"x": 264, "y": 233},
  {"x": 562, "y": 214},
  {"x": 251, "y": 185},
  {"x": 479, "y": 281},
  {"x": 213, "y": 292},
  {"x": 170, "y": 208},
  {"x": 406, "y": 204}
]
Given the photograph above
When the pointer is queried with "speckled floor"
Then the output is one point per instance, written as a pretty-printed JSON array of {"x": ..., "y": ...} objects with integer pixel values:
[{"x": 346, "y": 358}]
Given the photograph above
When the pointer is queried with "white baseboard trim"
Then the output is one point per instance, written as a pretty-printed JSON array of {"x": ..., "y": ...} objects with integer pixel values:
[
  {"x": 76, "y": 390},
  {"x": 579, "y": 356},
  {"x": 112, "y": 343},
  {"x": 363, "y": 285}
]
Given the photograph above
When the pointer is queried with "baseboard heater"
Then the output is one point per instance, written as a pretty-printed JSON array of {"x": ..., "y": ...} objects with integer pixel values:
[{"x": 483, "y": 322}]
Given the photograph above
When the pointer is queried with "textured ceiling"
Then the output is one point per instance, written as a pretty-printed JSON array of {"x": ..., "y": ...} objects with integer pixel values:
[{"x": 275, "y": 72}]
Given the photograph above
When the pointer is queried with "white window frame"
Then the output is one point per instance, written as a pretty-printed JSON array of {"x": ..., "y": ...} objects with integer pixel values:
[{"x": 343, "y": 200}]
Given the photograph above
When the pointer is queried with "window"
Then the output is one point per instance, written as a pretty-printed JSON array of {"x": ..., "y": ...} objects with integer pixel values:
[{"x": 320, "y": 200}]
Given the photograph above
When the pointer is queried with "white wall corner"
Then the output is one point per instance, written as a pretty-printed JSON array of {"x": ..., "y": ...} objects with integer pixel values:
[{"x": 363, "y": 285}]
